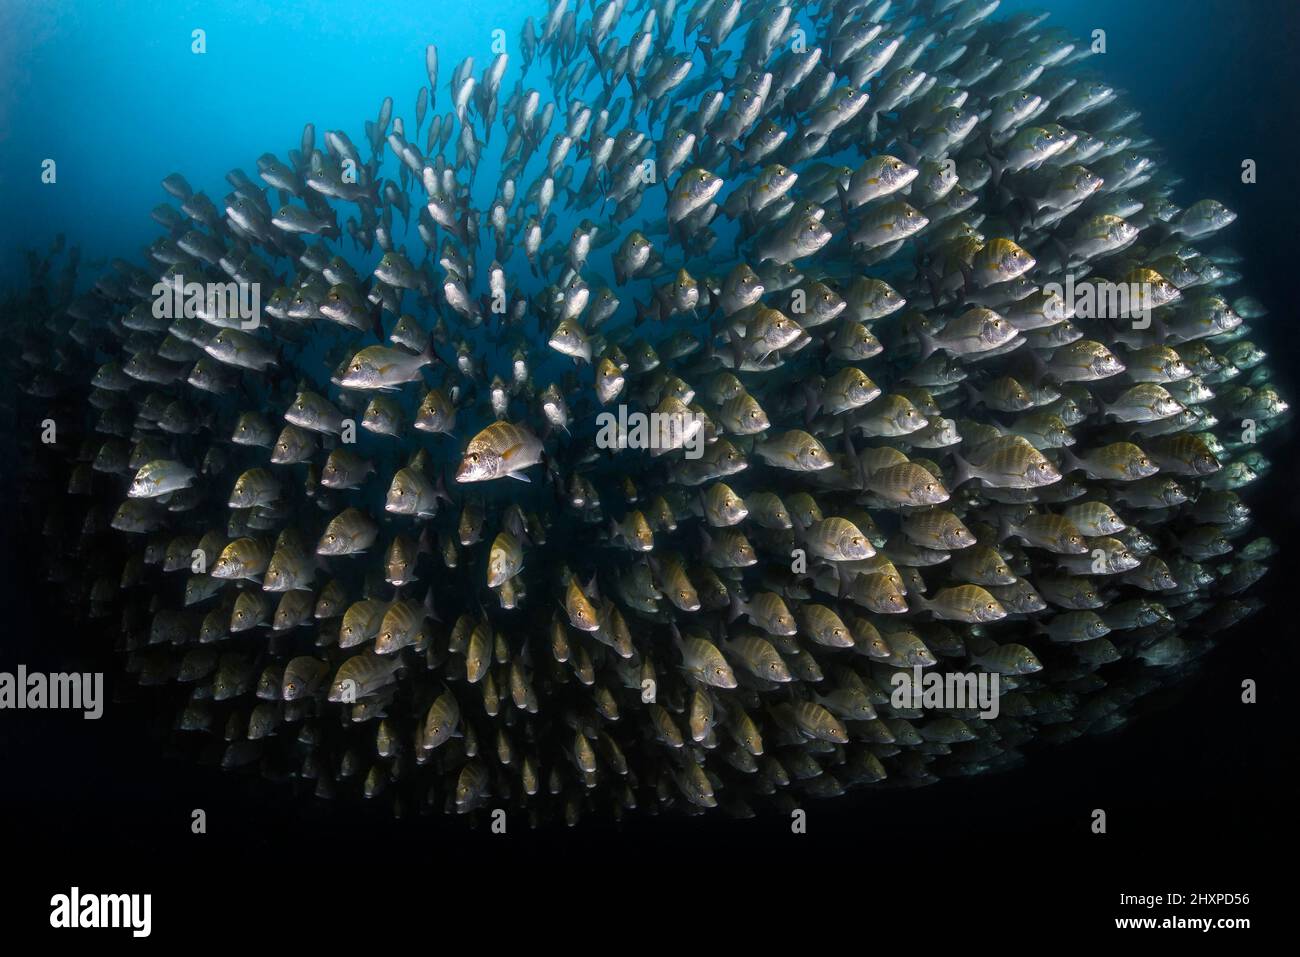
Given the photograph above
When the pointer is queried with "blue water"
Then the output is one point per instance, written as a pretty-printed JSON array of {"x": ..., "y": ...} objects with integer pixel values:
[{"x": 111, "y": 91}]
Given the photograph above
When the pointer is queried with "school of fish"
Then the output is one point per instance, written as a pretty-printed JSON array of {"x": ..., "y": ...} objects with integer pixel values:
[{"x": 374, "y": 543}]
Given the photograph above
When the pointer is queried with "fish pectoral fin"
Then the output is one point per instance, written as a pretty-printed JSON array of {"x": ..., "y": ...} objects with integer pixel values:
[{"x": 519, "y": 477}]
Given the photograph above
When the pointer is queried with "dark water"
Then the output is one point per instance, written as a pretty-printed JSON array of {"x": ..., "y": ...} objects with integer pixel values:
[{"x": 1200, "y": 792}]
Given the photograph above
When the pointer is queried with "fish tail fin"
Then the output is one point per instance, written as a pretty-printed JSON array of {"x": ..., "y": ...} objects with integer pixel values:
[
  {"x": 737, "y": 158},
  {"x": 1040, "y": 367},
  {"x": 735, "y": 607},
  {"x": 704, "y": 509},
  {"x": 929, "y": 346},
  {"x": 736, "y": 347},
  {"x": 998, "y": 167},
  {"x": 854, "y": 459},
  {"x": 706, "y": 540},
  {"x": 932, "y": 280},
  {"x": 909, "y": 153},
  {"x": 1070, "y": 462},
  {"x": 967, "y": 279},
  {"x": 812, "y": 402},
  {"x": 845, "y": 206},
  {"x": 996, "y": 163},
  {"x": 428, "y": 355},
  {"x": 963, "y": 471},
  {"x": 1061, "y": 251},
  {"x": 843, "y": 584},
  {"x": 440, "y": 492}
]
